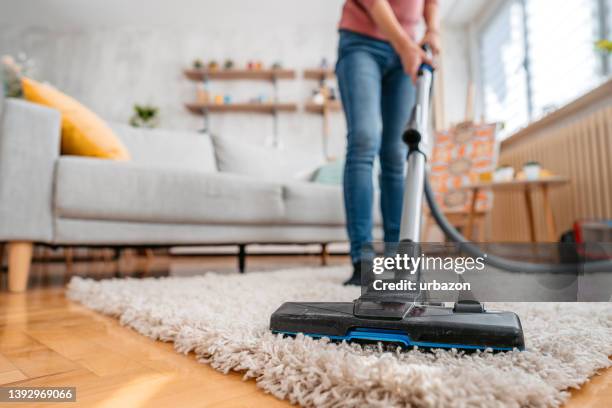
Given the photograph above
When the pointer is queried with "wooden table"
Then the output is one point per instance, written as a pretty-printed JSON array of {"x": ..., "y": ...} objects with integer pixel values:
[{"x": 527, "y": 186}]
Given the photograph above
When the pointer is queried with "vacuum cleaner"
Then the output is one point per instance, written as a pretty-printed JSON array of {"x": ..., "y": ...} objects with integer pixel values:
[{"x": 409, "y": 320}]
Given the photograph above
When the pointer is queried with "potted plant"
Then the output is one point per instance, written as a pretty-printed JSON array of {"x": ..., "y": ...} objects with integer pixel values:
[
  {"x": 198, "y": 64},
  {"x": 146, "y": 116}
]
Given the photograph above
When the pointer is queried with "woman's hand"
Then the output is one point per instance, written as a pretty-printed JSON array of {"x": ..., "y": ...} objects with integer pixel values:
[
  {"x": 412, "y": 56},
  {"x": 432, "y": 38}
]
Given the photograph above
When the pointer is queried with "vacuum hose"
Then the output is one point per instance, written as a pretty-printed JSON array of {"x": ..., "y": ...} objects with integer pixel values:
[
  {"x": 502, "y": 263},
  {"x": 412, "y": 136}
]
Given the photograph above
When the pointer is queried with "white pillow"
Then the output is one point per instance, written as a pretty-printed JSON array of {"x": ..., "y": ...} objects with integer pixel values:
[{"x": 260, "y": 162}]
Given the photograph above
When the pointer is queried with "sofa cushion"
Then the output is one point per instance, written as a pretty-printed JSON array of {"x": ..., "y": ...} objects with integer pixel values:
[
  {"x": 107, "y": 190},
  {"x": 330, "y": 173},
  {"x": 311, "y": 203},
  {"x": 168, "y": 148},
  {"x": 262, "y": 163},
  {"x": 319, "y": 204}
]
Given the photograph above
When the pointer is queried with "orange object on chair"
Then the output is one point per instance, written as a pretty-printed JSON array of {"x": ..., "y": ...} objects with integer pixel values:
[{"x": 463, "y": 155}]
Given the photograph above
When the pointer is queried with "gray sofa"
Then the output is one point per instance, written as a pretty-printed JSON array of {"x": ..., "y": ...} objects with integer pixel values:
[{"x": 171, "y": 193}]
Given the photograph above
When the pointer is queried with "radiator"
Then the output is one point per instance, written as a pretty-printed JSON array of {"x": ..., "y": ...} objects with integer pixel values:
[{"x": 580, "y": 148}]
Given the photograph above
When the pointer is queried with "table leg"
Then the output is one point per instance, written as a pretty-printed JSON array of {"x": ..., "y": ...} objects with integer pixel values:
[
  {"x": 472, "y": 215},
  {"x": 530, "y": 219},
  {"x": 481, "y": 226},
  {"x": 548, "y": 213}
]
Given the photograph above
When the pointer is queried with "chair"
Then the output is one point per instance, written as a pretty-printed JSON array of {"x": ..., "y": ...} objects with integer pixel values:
[{"x": 460, "y": 156}]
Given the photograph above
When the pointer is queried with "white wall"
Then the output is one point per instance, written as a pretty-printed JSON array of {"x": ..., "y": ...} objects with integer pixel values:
[
  {"x": 457, "y": 75},
  {"x": 461, "y": 60},
  {"x": 111, "y": 54}
]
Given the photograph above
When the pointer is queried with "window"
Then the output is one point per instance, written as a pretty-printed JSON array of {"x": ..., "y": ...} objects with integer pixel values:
[
  {"x": 563, "y": 62},
  {"x": 537, "y": 55},
  {"x": 504, "y": 77}
]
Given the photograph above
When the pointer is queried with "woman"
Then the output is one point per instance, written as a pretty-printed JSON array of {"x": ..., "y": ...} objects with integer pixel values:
[{"x": 378, "y": 59}]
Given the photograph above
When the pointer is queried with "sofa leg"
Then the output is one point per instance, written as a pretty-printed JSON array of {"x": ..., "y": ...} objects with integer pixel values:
[
  {"x": 69, "y": 259},
  {"x": 241, "y": 258},
  {"x": 19, "y": 259},
  {"x": 324, "y": 254}
]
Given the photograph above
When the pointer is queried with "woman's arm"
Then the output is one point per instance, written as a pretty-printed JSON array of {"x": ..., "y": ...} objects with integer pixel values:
[
  {"x": 432, "y": 34},
  {"x": 411, "y": 54}
]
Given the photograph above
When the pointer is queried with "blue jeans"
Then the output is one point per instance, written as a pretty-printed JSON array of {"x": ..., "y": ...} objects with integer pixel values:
[{"x": 377, "y": 97}]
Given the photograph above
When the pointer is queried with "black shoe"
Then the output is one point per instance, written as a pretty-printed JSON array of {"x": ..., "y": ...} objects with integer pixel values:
[{"x": 356, "y": 278}]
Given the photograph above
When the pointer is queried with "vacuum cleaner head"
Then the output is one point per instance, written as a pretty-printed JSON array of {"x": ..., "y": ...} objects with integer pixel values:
[
  {"x": 406, "y": 319},
  {"x": 467, "y": 326}
]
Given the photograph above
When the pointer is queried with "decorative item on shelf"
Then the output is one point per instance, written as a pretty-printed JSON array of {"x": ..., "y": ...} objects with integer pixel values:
[
  {"x": 202, "y": 94},
  {"x": 531, "y": 170},
  {"x": 317, "y": 97},
  {"x": 250, "y": 65},
  {"x": 277, "y": 65},
  {"x": 218, "y": 99},
  {"x": 332, "y": 94},
  {"x": 324, "y": 64},
  {"x": 145, "y": 116},
  {"x": 227, "y": 99},
  {"x": 12, "y": 71},
  {"x": 326, "y": 90},
  {"x": 213, "y": 65},
  {"x": 503, "y": 173},
  {"x": 485, "y": 177},
  {"x": 261, "y": 98},
  {"x": 258, "y": 65},
  {"x": 229, "y": 64},
  {"x": 197, "y": 64},
  {"x": 323, "y": 94}
]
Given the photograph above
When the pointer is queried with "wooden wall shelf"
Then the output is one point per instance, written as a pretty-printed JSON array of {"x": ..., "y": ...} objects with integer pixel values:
[
  {"x": 237, "y": 74},
  {"x": 200, "y": 108},
  {"x": 332, "y": 106},
  {"x": 319, "y": 73}
]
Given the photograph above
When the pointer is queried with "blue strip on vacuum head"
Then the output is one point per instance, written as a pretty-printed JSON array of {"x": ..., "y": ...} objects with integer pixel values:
[{"x": 394, "y": 336}]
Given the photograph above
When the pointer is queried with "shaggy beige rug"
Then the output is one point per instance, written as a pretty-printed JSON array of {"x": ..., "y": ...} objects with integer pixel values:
[{"x": 224, "y": 320}]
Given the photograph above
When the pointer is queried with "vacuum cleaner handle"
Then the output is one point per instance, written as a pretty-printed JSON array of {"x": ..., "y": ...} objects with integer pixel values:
[
  {"x": 417, "y": 132},
  {"x": 429, "y": 53}
]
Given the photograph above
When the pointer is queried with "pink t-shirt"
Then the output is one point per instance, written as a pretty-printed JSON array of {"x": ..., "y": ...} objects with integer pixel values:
[{"x": 356, "y": 16}]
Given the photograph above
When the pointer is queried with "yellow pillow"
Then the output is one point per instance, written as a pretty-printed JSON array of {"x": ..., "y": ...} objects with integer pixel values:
[{"x": 83, "y": 133}]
